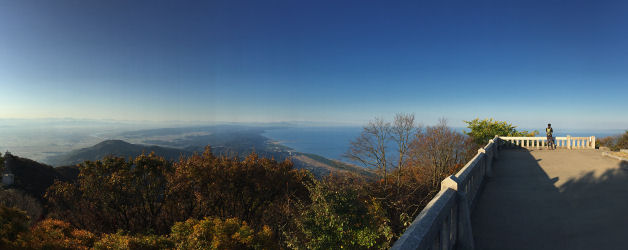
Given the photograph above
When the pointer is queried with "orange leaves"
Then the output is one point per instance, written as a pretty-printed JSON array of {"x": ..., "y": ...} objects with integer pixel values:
[
  {"x": 215, "y": 233},
  {"x": 56, "y": 234}
]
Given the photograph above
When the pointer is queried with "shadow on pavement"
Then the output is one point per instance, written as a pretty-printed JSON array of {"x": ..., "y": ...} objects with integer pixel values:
[{"x": 521, "y": 207}]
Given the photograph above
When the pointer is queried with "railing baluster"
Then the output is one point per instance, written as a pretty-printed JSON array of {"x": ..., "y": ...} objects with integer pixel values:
[
  {"x": 454, "y": 223},
  {"x": 444, "y": 234}
]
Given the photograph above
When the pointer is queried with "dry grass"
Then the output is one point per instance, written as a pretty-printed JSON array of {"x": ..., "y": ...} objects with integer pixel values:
[{"x": 620, "y": 154}]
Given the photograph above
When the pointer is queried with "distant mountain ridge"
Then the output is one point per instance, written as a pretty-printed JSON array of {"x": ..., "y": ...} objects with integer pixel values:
[
  {"x": 118, "y": 148},
  {"x": 318, "y": 165}
]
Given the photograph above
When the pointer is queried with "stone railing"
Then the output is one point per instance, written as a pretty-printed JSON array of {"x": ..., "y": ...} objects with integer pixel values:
[
  {"x": 445, "y": 223},
  {"x": 567, "y": 142}
]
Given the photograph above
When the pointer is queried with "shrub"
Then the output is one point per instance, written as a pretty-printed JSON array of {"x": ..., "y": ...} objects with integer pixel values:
[
  {"x": 615, "y": 143},
  {"x": 342, "y": 215},
  {"x": 622, "y": 142},
  {"x": 120, "y": 241},
  {"x": 56, "y": 234},
  {"x": 483, "y": 130},
  {"x": 214, "y": 233},
  {"x": 13, "y": 223}
]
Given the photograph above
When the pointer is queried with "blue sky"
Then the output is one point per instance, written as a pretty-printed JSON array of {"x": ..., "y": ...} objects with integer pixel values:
[{"x": 527, "y": 62}]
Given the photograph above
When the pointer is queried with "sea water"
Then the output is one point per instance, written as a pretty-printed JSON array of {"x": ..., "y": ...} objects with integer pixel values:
[{"x": 329, "y": 142}]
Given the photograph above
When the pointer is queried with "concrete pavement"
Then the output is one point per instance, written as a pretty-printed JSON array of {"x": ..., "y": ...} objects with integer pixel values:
[{"x": 553, "y": 199}]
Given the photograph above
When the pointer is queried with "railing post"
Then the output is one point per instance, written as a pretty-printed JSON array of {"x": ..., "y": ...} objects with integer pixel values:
[
  {"x": 593, "y": 142},
  {"x": 488, "y": 162},
  {"x": 568, "y": 142},
  {"x": 465, "y": 233},
  {"x": 496, "y": 149}
]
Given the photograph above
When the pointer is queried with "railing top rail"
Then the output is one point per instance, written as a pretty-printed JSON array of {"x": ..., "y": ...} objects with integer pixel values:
[
  {"x": 521, "y": 137},
  {"x": 489, "y": 146},
  {"x": 543, "y": 137},
  {"x": 421, "y": 230},
  {"x": 464, "y": 172}
]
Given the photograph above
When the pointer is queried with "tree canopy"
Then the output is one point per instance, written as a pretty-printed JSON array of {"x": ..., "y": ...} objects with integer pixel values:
[{"x": 483, "y": 130}]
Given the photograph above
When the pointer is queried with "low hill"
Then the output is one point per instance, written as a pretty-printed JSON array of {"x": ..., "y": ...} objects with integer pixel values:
[
  {"x": 117, "y": 148},
  {"x": 69, "y": 172}
]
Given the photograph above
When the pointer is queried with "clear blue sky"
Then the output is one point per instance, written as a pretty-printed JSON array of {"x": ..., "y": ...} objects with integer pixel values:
[{"x": 527, "y": 62}]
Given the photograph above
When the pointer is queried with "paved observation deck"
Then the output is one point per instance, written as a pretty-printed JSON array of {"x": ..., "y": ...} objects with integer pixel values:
[
  {"x": 553, "y": 199},
  {"x": 517, "y": 194}
]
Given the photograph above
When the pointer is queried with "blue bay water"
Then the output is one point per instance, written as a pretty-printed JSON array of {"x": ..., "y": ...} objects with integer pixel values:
[{"x": 330, "y": 142}]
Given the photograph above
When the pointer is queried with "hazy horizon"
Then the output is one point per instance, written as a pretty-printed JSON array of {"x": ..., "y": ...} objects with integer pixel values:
[{"x": 144, "y": 124}]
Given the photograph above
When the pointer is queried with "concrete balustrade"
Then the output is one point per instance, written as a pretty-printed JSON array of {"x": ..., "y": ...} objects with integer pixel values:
[
  {"x": 445, "y": 223},
  {"x": 567, "y": 142}
]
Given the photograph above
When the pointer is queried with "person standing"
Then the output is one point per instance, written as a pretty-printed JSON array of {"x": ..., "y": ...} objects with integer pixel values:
[{"x": 550, "y": 138}]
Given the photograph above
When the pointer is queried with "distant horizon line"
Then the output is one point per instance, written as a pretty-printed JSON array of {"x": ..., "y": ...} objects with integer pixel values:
[{"x": 183, "y": 123}]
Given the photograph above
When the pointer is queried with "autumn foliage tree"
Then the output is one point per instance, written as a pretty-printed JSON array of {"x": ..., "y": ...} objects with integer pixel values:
[
  {"x": 441, "y": 151},
  {"x": 114, "y": 194},
  {"x": 260, "y": 191}
]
